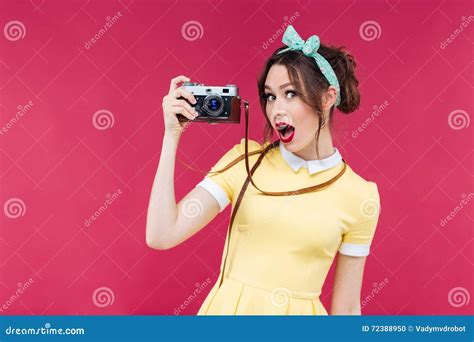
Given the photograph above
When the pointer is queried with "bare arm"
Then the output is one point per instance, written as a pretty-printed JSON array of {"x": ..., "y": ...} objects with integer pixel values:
[
  {"x": 168, "y": 224},
  {"x": 347, "y": 285}
]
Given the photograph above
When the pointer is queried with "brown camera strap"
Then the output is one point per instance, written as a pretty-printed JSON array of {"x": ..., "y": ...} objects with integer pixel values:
[
  {"x": 237, "y": 204},
  {"x": 249, "y": 180}
]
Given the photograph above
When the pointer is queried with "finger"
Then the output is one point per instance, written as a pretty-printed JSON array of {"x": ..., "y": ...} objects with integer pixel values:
[
  {"x": 175, "y": 81},
  {"x": 184, "y": 93},
  {"x": 183, "y": 103},
  {"x": 184, "y": 111}
]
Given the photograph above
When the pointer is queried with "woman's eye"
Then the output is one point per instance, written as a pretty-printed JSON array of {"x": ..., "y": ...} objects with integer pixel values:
[
  {"x": 289, "y": 95},
  {"x": 269, "y": 97}
]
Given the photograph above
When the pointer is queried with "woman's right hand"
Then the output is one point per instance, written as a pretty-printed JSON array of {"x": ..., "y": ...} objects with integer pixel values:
[
  {"x": 172, "y": 106},
  {"x": 168, "y": 224}
]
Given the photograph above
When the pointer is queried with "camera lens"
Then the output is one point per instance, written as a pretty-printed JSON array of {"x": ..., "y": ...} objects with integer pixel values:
[{"x": 213, "y": 105}]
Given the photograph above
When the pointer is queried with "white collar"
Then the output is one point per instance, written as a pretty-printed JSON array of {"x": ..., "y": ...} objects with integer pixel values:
[{"x": 313, "y": 166}]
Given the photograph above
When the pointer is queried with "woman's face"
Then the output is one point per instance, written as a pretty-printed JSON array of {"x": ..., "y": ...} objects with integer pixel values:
[{"x": 294, "y": 121}]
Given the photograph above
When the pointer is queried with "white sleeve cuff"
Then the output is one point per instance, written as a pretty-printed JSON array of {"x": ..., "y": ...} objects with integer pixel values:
[
  {"x": 216, "y": 191},
  {"x": 354, "y": 249}
]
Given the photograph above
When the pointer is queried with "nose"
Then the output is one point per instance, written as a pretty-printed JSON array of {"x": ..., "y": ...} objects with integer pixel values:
[
  {"x": 277, "y": 105},
  {"x": 279, "y": 115}
]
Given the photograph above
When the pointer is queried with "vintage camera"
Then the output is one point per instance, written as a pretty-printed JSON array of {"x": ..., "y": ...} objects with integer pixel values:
[{"x": 214, "y": 103}]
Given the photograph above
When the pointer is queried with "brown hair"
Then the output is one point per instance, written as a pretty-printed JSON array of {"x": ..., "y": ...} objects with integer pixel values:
[{"x": 310, "y": 83}]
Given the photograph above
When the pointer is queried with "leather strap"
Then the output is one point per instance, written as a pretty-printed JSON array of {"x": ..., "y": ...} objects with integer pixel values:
[
  {"x": 249, "y": 180},
  {"x": 283, "y": 193},
  {"x": 239, "y": 200}
]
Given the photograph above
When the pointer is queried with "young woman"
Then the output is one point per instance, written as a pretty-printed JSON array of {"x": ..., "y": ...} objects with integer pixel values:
[{"x": 304, "y": 204}]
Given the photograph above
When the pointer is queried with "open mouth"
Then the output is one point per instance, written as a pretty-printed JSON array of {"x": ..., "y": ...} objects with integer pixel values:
[{"x": 285, "y": 131}]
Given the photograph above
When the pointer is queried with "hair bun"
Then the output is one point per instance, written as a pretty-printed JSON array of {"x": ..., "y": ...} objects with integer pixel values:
[{"x": 344, "y": 66}]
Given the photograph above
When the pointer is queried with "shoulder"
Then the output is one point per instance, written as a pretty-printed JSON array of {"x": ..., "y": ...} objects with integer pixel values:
[
  {"x": 237, "y": 152},
  {"x": 361, "y": 184},
  {"x": 362, "y": 191},
  {"x": 253, "y": 145}
]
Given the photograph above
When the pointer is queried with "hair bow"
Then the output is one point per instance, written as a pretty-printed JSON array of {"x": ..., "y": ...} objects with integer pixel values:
[{"x": 310, "y": 48}]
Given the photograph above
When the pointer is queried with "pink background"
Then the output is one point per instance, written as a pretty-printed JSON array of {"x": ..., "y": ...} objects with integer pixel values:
[{"x": 57, "y": 167}]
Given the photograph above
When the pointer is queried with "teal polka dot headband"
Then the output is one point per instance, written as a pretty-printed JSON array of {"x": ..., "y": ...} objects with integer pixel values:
[{"x": 310, "y": 48}]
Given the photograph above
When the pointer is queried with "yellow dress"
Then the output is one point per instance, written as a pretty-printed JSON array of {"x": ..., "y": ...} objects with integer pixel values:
[{"x": 281, "y": 247}]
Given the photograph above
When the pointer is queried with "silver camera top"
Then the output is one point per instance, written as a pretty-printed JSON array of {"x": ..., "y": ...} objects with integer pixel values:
[{"x": 200, "y": 89}]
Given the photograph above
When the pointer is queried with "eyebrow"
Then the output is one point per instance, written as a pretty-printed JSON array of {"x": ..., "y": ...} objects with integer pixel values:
[{"x": 281, "y": 87}]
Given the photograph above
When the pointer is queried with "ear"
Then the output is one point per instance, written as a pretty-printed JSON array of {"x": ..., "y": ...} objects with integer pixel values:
[{"x": 329, "y": 98}]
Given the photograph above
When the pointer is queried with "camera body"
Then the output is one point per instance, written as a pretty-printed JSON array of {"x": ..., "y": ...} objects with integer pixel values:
[{"x": 214, "y": 103}]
